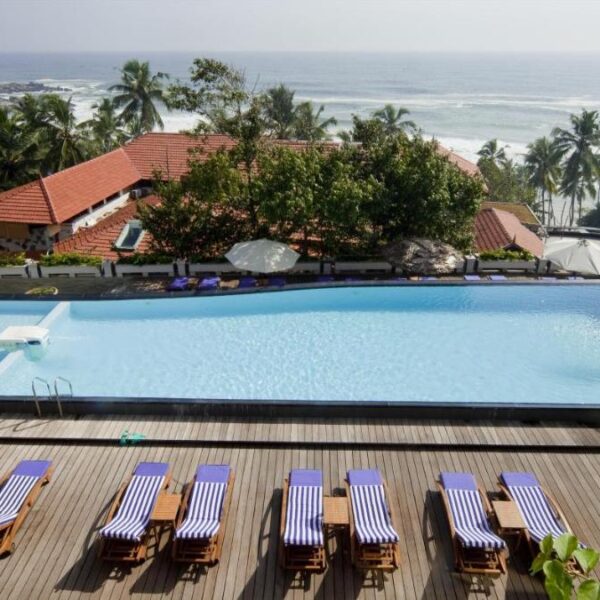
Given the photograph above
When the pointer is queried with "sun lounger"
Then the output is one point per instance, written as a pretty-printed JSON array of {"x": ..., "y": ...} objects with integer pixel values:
[
  {"x": 209, "y": 283},
  {"x": 497, "y": 277},
  {"x": 276, "y": 281},
  {"x": 547, "y": 278},
  {"x": 247, "y": 282},
  {"x": 125, "y": 535},
  {"x": 472, "y": 278},
  {"x": 477, "y": 549},
  {"x": 202, "y": 518},
  {"x": 19, "y": 490},
  {"x": 428, "y": 278},
  {"x": 325, "y": 278},
  {"x": 302, "y": 539},
  {"x": 351, "y": 279},
  {"x": 539, "y": 511},
  {"x": 373, "y": 535},
  {"x": 179, "y": 284},
  {"x": 575, "y": 278}
]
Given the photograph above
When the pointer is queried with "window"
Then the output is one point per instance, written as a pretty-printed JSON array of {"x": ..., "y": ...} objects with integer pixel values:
[{"x": 130, "y": 236}]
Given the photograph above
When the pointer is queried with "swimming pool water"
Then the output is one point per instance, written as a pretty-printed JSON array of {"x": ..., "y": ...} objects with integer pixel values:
[{"x": 467, "y": 344}]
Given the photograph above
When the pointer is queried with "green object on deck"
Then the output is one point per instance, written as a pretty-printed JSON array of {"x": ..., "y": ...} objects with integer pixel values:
[{"x": 129, "y": 439}]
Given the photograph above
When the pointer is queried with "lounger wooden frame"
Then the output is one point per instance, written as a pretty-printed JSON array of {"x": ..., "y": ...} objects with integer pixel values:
[
  {"x": 207, "y": 551},
  {"x": 126, "y": 550},
  {"x": 298, "y": 558},
  {"x": 380, "y": 557},
  {"x": 476, "y": 561},
  {"x": 525, "y": 536},
  {"x": 9, "y": 530}
]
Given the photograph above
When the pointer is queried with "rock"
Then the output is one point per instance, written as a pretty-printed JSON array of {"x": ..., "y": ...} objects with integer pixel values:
[
  {"x": 29, "y": 88},
  {"x": 419, "y": 256}
]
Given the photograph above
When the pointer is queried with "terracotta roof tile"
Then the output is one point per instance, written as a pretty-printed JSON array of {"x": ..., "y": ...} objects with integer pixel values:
[
  {"x": 26, "y": 202},
  {"x": 99, "y": 239},
  {"x": 496, "y": 229},
  {"x": 521, "y": 211}
]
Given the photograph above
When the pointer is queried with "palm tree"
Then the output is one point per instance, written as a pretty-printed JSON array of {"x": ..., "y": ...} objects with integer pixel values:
[
  {"x": 582, "y": 165},
  {"x": 308, "y": 124},
  {"x": 19, "y": 157},
  {"x": 64, "y": 139},
  {"x": 392, "y": 119},
  {"x": 104, "y": 127},
  {"x": 492, "y": 153},
  {"x": 138, "y": 94},
  {"x": 543, "y": 165},
  {"x": 280, "y": 111}
]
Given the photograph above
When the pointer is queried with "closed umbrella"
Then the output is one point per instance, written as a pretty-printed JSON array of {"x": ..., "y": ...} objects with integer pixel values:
[
  {"x": 574, "y": 254},
  {"x": 262, "y": 256}
]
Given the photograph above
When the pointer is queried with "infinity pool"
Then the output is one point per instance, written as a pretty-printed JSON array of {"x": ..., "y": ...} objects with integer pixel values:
[{"x": 463, "y": 344}]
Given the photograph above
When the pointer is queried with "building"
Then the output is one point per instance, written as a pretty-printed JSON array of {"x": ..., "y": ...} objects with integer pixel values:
[
  {"x": 497, "y": 229},
  {"x": 90, "y": 208}
]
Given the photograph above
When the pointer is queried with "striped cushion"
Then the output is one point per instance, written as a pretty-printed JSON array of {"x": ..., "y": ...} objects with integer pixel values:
[
  {"x": 133, "y": 515},
  {"x": 12, "y": 496},
  {"x": 304, "y": 519},
  {"x": 536, "y": 512},
  {"x": 470, "y": 521},
  {"x": 204, "y": 511},
  {"x": 371, "y": 515}
]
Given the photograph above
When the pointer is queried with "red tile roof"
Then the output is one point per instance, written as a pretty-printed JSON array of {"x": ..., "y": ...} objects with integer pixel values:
[
  {"x": 99, "y": 239},
  {"x": 462, "y": 163},
  {"x": 170, "y": 152},
  {"x": 496, "y": 229},
  {"x": 521, "y": 211},
  {"x": 26, "y": 202}
]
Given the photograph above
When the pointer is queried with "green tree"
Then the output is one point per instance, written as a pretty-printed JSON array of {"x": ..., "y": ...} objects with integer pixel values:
[
  {"x": 508, "y": 182},
  {"x": 138, "y": 95},
  {"x": 19, "y": 153},
  {"x": 393, "y": 119},
  {"x": 582, "y": 165},
  {"x": 543, "y": 166},
  {"x": 104, "y": 128},
  {"x": 492, "y": 153},
  {"x": 280, "y": 111},
  {"x": 308, "y": 124},
  {"x": 64, "y": 140}
]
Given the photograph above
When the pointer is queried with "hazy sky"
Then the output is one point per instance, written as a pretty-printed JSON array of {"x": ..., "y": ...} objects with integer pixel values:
[{"x": 345, "y": 25}]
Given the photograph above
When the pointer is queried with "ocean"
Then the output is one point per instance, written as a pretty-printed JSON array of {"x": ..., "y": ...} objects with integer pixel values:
[{"x": 461, "y": 99}]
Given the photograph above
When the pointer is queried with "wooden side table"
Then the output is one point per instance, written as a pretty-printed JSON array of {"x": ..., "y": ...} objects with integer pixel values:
[
  {"x": 510, "y": 521},
  {"x": 335, "y": 511},
  {"x": 164, "y": 514}
]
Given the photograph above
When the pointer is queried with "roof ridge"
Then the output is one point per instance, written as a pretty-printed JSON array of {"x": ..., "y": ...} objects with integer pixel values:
[{"x": 48, "y": 199}]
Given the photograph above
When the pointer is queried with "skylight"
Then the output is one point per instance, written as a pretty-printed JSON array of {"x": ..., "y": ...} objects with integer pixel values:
[{"x": 130, "y": 236}]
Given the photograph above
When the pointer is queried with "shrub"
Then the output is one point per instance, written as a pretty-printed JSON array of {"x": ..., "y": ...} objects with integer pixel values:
[
  {"x": 12, "y": 259},
  {"x": 567, "y": 567},
  {"x": 70, "y": 259},
  {"x": 502, "y": 254},
  {"x": 140, "y": 259}
]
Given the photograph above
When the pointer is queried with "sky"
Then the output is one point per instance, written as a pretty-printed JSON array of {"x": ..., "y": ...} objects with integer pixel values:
[{"x": 300, "y": 25}]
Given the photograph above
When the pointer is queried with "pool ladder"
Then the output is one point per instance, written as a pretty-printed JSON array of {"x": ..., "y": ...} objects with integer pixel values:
[{"x": 57, "y": 396}]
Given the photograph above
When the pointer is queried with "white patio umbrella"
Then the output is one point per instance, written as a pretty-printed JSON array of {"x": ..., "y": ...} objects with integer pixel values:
[
  {"x": 574, "y": 254},
  {"x": 262, "y": 256}
]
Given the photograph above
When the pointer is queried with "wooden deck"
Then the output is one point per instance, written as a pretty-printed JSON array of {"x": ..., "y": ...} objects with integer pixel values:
[{"x": 55, "y": 550}]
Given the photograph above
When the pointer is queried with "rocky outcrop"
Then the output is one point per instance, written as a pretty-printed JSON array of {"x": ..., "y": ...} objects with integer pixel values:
[
  {"x": 423, "y": 257},
  {"x": 29, "y": 88}
]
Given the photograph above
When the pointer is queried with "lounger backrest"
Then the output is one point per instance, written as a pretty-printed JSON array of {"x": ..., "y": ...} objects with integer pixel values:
[
  {"x": 535, "y": 509},
  {"x": 304, "y": 515},
  {"x": 371, "y": 513},
  {"x": 133, "y": 515},
  {"x": 18, "y": 486},
  {"x": 470, "y": 520}
]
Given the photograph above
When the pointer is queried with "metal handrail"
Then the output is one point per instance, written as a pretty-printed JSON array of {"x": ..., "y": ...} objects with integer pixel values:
[
  {"x": 57, "y": 395},
  {"x": 35, "y": 394}
]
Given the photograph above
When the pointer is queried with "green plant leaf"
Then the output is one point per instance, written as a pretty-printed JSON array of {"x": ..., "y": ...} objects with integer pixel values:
[
  {"x": 565, "y": 545},
  {"x": 589, "y": 590},
  {"x": 587, "y": 558},
  {"x": 557, "y": 592},
  {"x": 547, "y": 545},
  {"x": 557, "y": 579},
  {"x": 538, "y": 563}
]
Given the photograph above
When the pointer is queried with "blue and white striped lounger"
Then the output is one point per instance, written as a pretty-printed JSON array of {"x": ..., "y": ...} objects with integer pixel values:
[
  {"x": 132, "y": 518},
  {"x": 304, "y": 514},
  {"x": 472, "y": 278},
  {"x": 372, "y": 521},
  {"x": 205, "y": 504},
  {"x": 470, "y": 520},
  {"x": 17, "y": 494},
  {"x": 477, "y": 549},
  {"x": 534, "y": 506}
]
